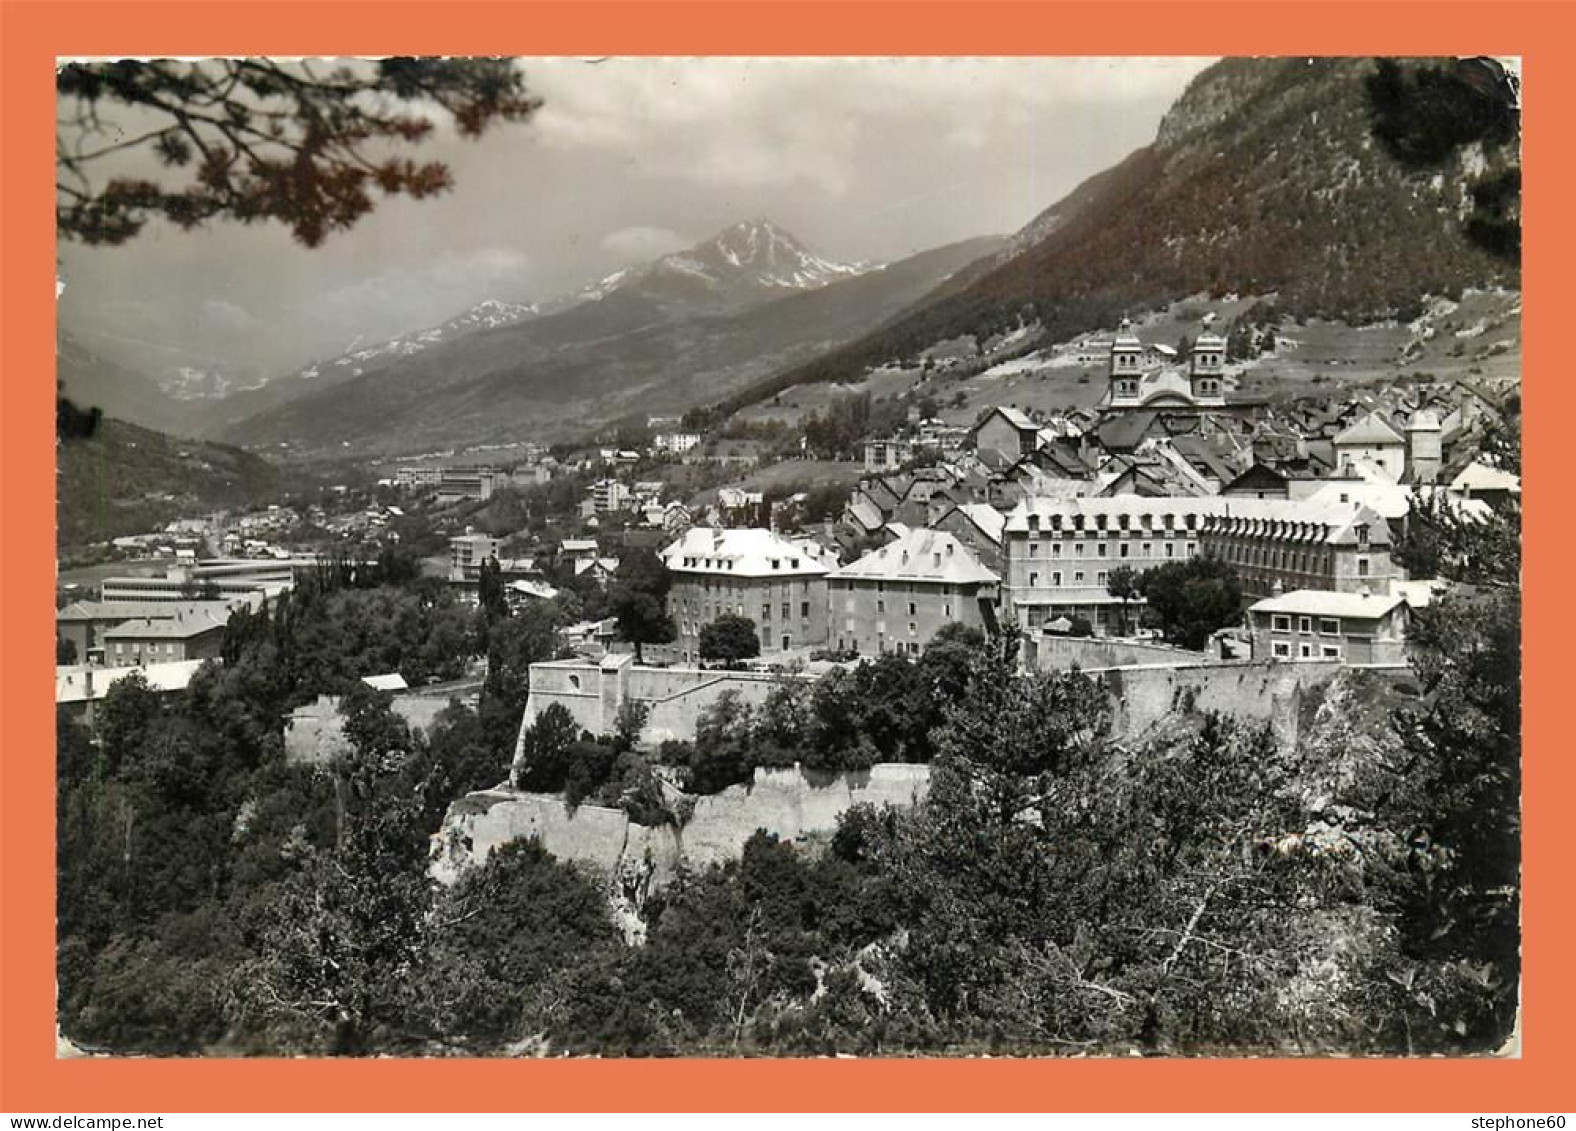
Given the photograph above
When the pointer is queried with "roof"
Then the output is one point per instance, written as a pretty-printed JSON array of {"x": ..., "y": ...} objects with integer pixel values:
[
  {"x": 1115, "y": 506},
  {"x": 1391, "y": 500},
  {"x": 579, "y": 545},
  {"x": 393, "y": 681},
  {"x": 1335, "y": 523},
  {"x": 78, "y": 684},
  {"x": 179, "y": 627},
  {"x": 1325, "y": 603},
  {"x": 986, "y": 517},
  {"x": 749, "y": 552},
  {"x": 130, "y": 610},
  {"x": 1013, "y": 416},
  {"x": 1371, "y": 429},
  {"x": 920, "y": 555},
  {"x": 1479, "y": 476}
]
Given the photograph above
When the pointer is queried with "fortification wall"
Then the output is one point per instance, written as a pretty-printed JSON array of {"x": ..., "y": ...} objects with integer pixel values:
[
  {"x": 790, "y": 803},
  {"x": 795, "y": 803},
  {"x": 674, "y": 697},
  {"x": 1057, "y": 653}
]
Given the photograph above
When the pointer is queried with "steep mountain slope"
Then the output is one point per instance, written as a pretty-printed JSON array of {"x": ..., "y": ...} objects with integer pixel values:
[
  {"x": 751, "y": 262},
  {"x": 660, "y": 339},
  {"x": 129, "y": 480},
  {"x": 1265, "y": 177},
  {"x": 92, "y": 380}
]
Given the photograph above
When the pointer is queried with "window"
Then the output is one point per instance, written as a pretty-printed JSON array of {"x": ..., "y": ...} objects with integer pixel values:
[
  {"x": 912, "y": 610},
  {"x": 766, "y": 612},
  {"x": 1329, "y": 626},
  {"x": 1122, "y": 550},
  {"x": 804, "y": 608},
  {"x": 1281, "y": 649},
  {"x": 1078, "y": 577},
  {"x": 1362, "y": 567},
  {"x": 1099, "y": 550},
  {"x": 1304, "y": 624},
  {"x": 1305, "y": 651},
  {"x": 1170, "y": 550},
  {"x": 787, "y": 609},
  {"x": 1056, "y": 578},
  {"x": 1280, "y": 623},
  {"x": 881, "y": 605},
  {"x": 913, "y": 629},
  {"x": 1056, "y": 549},
  {"x": 1034, "y": 549},
  {"x": 1102, "y": 577},
  {"x": 1149, "y": 550},
  {"x": 1330, "y": 651},
  {"x": 1078, "y": 549},
  {"x": 946, "y": 610},
  {"x": 1034, "y": 579}
]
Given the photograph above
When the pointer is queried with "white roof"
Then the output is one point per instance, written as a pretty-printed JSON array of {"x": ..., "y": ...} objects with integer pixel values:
[
  {"x": 749, "y": 552},
  {"x": 1326, "y": 603},
  {"x": 1479, "y": 476},
  {"x": 537, "y": 589},
  {"x": 1390, "y": 500},
  {"x": 920, "y": 555},
  {"x": 72, "y": 683},
  {"x": 986, "y": 517},
  {"x": 393, "y": 681}
]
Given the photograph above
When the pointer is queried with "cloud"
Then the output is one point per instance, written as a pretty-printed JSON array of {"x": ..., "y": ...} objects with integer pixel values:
[
  {"x": 643, "y": 242},
  {"x": 226, "y": 317}
]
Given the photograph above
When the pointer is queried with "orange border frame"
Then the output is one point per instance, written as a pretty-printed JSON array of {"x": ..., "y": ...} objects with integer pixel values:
[{"x": 32, "y": 32}]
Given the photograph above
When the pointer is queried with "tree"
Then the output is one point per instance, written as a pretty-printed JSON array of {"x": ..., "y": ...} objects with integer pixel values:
[
  {"x": 730, "y": 640},
  {"x": 1192, "y": 599},
  {"x": 264, "y": 139},
  {"x": 65, "y": 650},
  {"x": 639, "y": 600},
  {"x": 1124, "y": 584}
]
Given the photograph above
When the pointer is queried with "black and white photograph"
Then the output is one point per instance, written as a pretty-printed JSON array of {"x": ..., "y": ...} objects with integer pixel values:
[{"x": 788, "y": 557}]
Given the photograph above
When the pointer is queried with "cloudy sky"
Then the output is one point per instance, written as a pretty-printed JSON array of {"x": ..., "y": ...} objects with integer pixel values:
[{"x": 627, "y": 160}]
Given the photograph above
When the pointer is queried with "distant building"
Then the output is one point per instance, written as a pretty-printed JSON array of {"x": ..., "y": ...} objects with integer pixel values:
[
  {"x": 214, "y": 579},
  {"x": 896, "y": 598},
  {"x": 1313, "y": 624},
  {"x": 1147, "y": 377},
  {"x": 467, "y": 552},
  {"x": 1008, "y": 432},
  {"x": 608, "y": 496},
  {"x": 676, "y": 443},
  {"x": 477, "y": 484},
  {"x": 1371, "y": 439},
  {"x": 754, "y": 573},
  {"x": 888, "y": 455}
]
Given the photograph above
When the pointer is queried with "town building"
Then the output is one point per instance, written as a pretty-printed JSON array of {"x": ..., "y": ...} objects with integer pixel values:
[
  {"x": 1315, "y": 624},
  {"x": 214, "y": 579},
  {"x": 896, "y": 598},
  {"x": 1008, "y": 432},
  {"x": 475, "y": 484},
  {"x": 1280, "y": 545},
  {"x": 889, "y": 454},
  {"x": 1058, "y": 554},
  {"x": 188, "y": 635},
  {"x": 753, "y": 573},
  {"x": 467, "y": 552},
  {"x": 80, "y": 690},
  {"x": 84, "y": 623},
  {"x": 1371, "y": 440},
  {"x": 979, "y": 527},
  {"x": 676, "y": 443}
]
